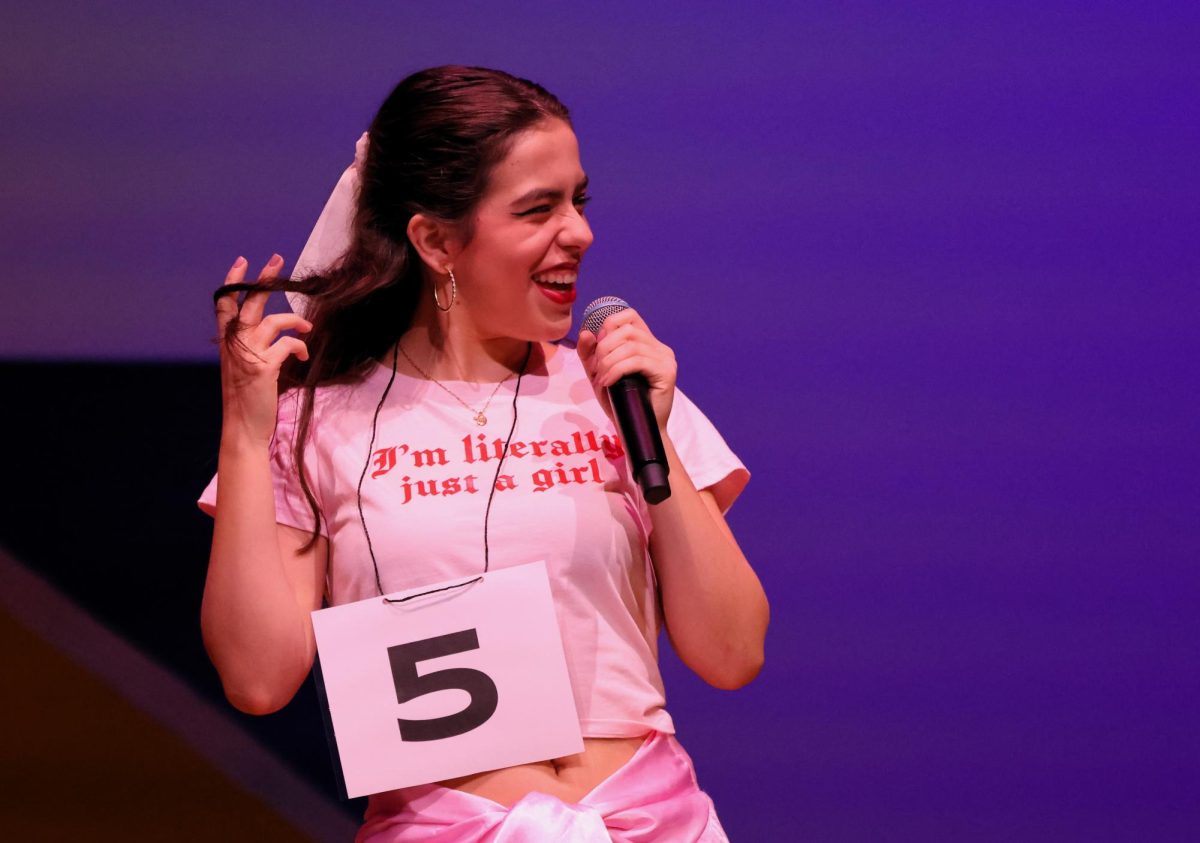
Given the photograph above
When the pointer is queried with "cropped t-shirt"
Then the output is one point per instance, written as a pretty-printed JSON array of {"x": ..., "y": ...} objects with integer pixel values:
[{"x": 565, "y": 495}]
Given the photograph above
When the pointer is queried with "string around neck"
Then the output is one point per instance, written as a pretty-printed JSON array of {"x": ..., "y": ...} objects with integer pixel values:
[{"x": 491, "y": 493}]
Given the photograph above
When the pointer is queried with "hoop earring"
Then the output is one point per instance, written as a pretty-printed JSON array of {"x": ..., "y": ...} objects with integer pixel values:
[{"x": 453, "y": 293}]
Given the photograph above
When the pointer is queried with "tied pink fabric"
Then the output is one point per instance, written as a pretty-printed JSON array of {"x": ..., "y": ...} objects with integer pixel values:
[{"x": 654, "y": 797}]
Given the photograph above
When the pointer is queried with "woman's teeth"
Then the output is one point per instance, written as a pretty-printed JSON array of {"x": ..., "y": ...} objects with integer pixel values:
[{"x": 556, "y": 279}]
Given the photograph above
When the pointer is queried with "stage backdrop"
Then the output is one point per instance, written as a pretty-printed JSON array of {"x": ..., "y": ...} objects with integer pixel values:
[{"x": 931, "y": 268}]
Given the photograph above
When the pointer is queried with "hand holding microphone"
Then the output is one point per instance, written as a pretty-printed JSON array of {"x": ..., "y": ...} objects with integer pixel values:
[{"x": 621, "y": 355}]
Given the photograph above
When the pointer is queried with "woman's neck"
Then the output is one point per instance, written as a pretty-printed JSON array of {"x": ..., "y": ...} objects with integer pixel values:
[{"x": 444, "y": 351}]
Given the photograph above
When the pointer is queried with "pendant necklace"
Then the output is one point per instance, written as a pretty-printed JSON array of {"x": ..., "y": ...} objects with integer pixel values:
[{"x": 479, "y": 416}]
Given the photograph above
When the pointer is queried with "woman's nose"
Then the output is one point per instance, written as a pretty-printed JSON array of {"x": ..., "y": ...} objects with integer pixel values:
[{"x": 576, "y": 233}]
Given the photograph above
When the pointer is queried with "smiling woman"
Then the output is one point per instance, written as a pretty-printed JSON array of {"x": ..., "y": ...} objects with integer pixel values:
[
  {"x": 433, "y": 434},
  {"x": 518, "y": 260}
]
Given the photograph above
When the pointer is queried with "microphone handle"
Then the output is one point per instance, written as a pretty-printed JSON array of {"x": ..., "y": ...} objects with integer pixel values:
[{"x": 630, "y": 397}]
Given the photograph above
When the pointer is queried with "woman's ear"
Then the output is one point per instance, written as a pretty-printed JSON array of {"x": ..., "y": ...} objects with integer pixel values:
[{"x": 435, "y": 241}]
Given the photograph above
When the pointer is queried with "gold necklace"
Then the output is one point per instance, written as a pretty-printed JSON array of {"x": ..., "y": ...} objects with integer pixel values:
[{"x": 478, "y": 415}]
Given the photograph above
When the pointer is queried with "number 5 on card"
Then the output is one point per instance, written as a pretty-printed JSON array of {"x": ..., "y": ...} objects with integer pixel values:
[{"x": 447, "y": 684}]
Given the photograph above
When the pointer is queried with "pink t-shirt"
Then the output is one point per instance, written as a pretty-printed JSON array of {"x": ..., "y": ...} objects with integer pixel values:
[{"x": 565, "y": 494}]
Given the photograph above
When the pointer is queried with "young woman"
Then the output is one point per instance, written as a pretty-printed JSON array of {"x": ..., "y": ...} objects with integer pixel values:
[{"x": 437, "y": 333}]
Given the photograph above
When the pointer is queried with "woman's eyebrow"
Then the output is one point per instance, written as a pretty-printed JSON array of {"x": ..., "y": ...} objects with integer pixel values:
[
  {"x": 553, "y": 194},
  {"x": 538, "y": 193}
]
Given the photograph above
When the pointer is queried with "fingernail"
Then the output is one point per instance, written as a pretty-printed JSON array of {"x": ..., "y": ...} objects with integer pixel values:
[
  {"x": 240, "y": 262},
  {"x": 275, "y": 260}
]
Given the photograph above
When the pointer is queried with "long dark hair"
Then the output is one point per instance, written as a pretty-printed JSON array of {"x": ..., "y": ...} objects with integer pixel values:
[{"x": 432, "y": 147}]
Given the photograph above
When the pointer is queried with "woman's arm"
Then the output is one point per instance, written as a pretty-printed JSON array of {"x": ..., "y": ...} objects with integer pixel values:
[
  {"x": 715, "y": 608},
  {"x": 260, "y": 590},
  {"x": 261, "y": 586}
]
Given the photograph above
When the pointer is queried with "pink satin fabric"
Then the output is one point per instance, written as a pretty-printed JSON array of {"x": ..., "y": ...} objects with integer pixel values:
[{"x": 654, "y": 797}]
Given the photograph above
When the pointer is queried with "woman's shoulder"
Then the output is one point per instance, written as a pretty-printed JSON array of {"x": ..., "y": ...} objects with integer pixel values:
[
  {"x": 562, "y": 358},
  {"x": 566, "y": 379},
  {"x": 331, "y": 398}
]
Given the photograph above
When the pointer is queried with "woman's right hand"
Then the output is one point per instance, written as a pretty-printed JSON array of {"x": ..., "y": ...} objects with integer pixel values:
[{"x": 252, "y": 357}]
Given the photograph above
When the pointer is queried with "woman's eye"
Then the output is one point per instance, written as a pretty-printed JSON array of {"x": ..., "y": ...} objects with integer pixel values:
[
  {"x": 579, "y": 202},
  {"x": 539, "y": 209}
]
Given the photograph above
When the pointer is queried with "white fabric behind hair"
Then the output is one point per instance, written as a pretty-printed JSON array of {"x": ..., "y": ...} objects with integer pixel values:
[{"x": 330, "y": 237}]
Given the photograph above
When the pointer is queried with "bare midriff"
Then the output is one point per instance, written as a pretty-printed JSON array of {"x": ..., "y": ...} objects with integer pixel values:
[{"x": 569, "y": 778}]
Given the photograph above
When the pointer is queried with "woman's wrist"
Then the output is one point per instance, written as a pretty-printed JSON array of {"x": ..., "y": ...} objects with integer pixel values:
[{"x": 239, "y": 440}]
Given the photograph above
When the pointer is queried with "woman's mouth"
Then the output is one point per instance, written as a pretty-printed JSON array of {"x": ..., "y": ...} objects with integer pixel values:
[{"x": 557, "y": 285}]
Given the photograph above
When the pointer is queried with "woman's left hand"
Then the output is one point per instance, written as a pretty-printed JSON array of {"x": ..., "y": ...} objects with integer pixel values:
[{"x": 625, "y": 346}]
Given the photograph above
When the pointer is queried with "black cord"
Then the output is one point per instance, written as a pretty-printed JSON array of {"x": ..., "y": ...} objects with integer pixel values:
[
  {"x": 491, "y": 493},
  {"x": 370, "y": 450},
  {"x": 503, "y": 454}
]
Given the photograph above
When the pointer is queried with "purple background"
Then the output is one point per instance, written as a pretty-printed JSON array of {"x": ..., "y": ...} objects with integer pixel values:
[{"x": 932, "y": 270}]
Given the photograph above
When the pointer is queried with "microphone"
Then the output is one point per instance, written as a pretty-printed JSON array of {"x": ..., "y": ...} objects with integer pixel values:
[{"x": 630, "y": 397}]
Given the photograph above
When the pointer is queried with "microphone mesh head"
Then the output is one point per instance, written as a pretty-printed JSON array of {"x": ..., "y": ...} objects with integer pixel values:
[{"x": 600, "y": 309}]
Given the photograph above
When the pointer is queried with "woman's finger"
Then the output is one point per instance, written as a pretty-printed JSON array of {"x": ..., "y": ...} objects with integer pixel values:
[
  {"x": 626, "y": 361},
  {"x": 270, "y": 327},
  {"x": 635, "y": 364},
  {"x": 252, "y": 306},
  {"x": 621, "y": 318},
  {"x": 627, "y": 340},
  {"x": 586, "y": 347},
  {"x": 285, "y": 347},
  {"x": 659, "y": 359},
  {"x": 227, "y": 305},
  {"x": 619, "y": 335}
]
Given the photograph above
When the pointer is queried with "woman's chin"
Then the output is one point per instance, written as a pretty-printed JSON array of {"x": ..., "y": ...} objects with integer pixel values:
[
  {"x": 553, "y": 327},
  {"x": 561, "y": 329}
]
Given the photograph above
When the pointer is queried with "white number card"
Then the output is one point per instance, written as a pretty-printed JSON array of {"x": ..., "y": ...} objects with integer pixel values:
[{"x": 446, "y": 684}]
